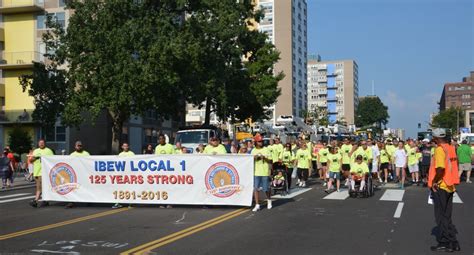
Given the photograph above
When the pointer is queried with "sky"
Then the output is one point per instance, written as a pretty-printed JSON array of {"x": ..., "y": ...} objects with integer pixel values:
[{"x": 409, "y": 48}]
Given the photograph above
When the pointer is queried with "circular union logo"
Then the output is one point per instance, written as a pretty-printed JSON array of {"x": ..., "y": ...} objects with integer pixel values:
[
  {"x": 63, "y": 178},
  {"x": 222, "y": 180}
]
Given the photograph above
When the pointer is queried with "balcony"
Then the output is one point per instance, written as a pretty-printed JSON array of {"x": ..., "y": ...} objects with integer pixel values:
[
  {"x": 20, "y": 60},
  {"x": 16, "y": 116},
  {"x": 21, "y": 6}
]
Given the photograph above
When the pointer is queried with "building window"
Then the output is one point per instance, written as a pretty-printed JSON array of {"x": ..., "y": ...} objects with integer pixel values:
[
  {"x": 62, "y": 3},
  {"x": 56, "y": 134},
  {"x": 40, "y": 22}
]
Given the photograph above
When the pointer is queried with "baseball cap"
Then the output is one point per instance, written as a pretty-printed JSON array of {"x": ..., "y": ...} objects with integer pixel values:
[
  {"x": 439, "y": 132},
  {"x": 257, "y": 138}
]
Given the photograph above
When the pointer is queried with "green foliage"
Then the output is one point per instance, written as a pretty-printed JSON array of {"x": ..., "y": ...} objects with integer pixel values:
[
  {"x": 371, "y": 111},
  {"x": 128, "y": 57},
  {"x": 19, "y": 140},
  {"x": 220, "y": 36},
  {"x": 449, "y": 118}
]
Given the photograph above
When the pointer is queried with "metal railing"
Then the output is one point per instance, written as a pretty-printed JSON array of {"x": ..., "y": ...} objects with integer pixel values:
[
  {"x": 20, "y": 58},
  {"x": 12, "y": 116},
  {"x": 21, "y": 3}
]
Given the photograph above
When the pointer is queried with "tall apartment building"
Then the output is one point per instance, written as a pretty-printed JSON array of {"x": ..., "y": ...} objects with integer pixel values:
[
  {"x": 285, "y": 23},
  {"x": 334, "y": 86},
  {"x": 22, "y": 25},
  {"x": 458, "y": 94}
]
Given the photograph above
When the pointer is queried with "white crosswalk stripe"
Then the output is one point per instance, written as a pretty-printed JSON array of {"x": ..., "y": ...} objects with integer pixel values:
[
  {"x": 456, "y": 198},
  {"x": 342, "y": 195},
  {"x": 393, "y": 195},
  {"x": 15, "y": 197}
]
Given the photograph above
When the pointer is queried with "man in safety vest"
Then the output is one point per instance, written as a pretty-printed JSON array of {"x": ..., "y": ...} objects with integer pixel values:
[{"x": 442, "y": 178}]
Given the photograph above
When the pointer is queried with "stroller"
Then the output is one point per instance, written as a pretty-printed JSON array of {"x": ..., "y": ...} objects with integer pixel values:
[{"x": 282, "y": 186}]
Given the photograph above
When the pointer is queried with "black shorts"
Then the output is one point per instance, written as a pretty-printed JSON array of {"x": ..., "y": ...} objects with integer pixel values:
[
  {"x": 324, "y": 163},
  {"x": 383, "y": 166},
  {"x": 346, "y": 167},
  {"x": 424, "y": 170}
]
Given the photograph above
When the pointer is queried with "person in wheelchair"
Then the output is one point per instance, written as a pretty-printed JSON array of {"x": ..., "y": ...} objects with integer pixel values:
[{"x": 359, "y": 173}]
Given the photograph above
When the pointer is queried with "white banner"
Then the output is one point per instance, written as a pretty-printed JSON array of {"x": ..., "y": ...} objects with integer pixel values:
[{"x": 149, "y": 179}]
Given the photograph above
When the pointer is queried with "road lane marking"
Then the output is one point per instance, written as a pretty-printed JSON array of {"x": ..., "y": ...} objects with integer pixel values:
[
  {"x": 144, "y": 248},
  {"x": 393, "y": 195},
  {"x": 15, "y": 195},
  {"x": 16, "y": 199},
  {"x": 398, "y": 211},
  {"x": 456, "y": 198},
  {"x": 342, "y": 195},
  {"x": 295, "y": 192},
  {"x": 63, "y": 223}
]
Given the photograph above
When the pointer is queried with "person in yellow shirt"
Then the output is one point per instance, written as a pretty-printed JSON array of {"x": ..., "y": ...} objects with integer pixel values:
[
  {"x": 384, "y": 160},
  {"x": 262, "y": 159},
  {"x": 359, "y": 172},
  {"x": 163, "y": 147},
  {"x": 391, "y": 148},
  {"x": 334, "y": 165},
  {"x": 303, "y": 163},
  {"x": 214, "y": 147},
  {"x": 41, "y": 151},
  {"x": 442, "y": 178},
  {"x": 78, "y": 152},
  {"x": 413, "y": 162},
  {"x": 323, "y": 159},
  {"x": 277, "y": 150},
  {"x": 288, "y": 158}
]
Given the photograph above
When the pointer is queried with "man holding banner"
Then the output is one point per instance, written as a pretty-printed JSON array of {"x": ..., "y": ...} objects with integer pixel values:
[
  {"x": 78, "y": 152},
  {"x": 42, "y": 150},
  {"x": 261, "y": 171}
]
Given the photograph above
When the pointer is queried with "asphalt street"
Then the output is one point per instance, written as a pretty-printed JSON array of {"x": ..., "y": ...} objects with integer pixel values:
[{"x": 308, "y": 221}]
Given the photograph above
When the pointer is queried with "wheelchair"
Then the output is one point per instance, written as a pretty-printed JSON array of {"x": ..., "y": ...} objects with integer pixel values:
[{"x": 368, "y": 190}]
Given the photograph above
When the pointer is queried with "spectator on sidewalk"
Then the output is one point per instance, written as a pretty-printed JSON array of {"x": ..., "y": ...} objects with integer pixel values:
[{"x": 6, "y": 170}]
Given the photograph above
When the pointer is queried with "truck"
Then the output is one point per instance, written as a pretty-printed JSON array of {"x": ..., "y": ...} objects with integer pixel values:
[{"x": 192, "y": 137}]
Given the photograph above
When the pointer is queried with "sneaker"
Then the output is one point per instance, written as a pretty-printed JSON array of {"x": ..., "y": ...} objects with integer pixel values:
[
  {"x": 385, "y": 182},
  {"x": 468, "y": 181},
  {"x": 325, "y": 184},
  {"x": 401, "y": 186},
  {"x": 33, "y": 203},
  {"x": 338, "y": 190},
  {"x": 269, "y": 204},
  {"x": 304, "y": 185},
  {"x": 455, "y": 246},
  {"x": 116, "y": 206},
  {"x": 380, "y": 180},
  {"x": 256, "y": 208}
]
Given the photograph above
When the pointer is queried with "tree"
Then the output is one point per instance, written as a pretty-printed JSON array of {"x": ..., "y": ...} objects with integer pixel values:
[
  {"x": 371, "y": 111},
  {"x": 120, "y": 56},
  {"x": 449, "y": 119},
  {"x": 19, "y": 140},
  {"x": 232, "y": 68}
]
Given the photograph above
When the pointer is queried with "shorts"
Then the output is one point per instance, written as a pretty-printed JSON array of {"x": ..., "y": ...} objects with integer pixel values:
[
  {"x": 324, "y": 163},
  {"x": 413, "y": 168},
  {"x": 261, "y": 182},
  {"x": 38, "y": 183},
  {"x": 424, "y": 170},
  {"x": 346, "y": 167},
  {"x": 383, "y": 166},
  {"x": 375, "y": 167},
  {"x": 465, "y": 167},
  {"x": 335, "y": 175},
  {"x": 319, "y": 165}
]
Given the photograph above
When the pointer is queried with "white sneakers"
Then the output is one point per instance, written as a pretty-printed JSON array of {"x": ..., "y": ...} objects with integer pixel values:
[{"x": 256, "y": 208}]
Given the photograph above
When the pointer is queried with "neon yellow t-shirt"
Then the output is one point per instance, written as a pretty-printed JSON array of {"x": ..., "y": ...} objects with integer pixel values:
[
  {"x": 303, "y": 157},
  {"x": 359, "y": 169},
  {"x": 126, "y": 154},
  {"x": 219, "y": 149},
  {"x": 164, "y": 149},
  {"x": 80, "y": 154},
  {"x": 345, "y": 150},
  {"x": 323, "y": 155},
  {"x": 261, "y": 166},
  {"x": 391, "y": 151},
  {"x": 334, "y": 161},
  {"x": 384, "y": 158},
  {"x": 411, "y": 153},
  {"x": 287, "y": 158},
  {"x": 37, "y": 164},
  {"x": 277, "y": 152}
]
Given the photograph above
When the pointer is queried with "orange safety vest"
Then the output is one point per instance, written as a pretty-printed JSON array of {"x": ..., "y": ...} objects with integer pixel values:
[{"x": 451, "y": 174}]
